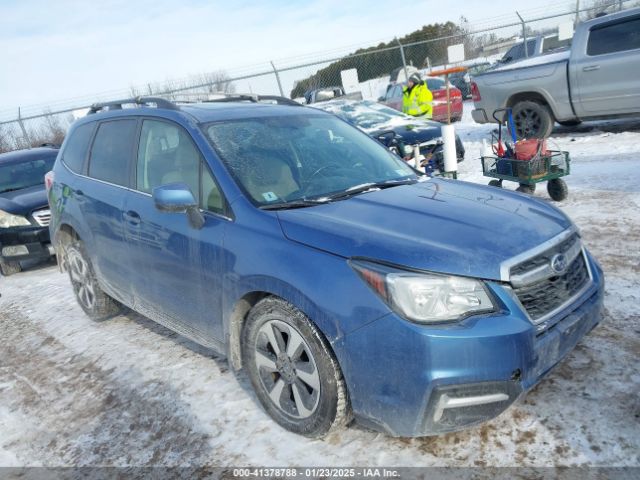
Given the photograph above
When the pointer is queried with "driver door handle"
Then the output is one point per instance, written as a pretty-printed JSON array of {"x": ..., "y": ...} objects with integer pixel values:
[
  {"x": 591, "y": 68},
  {"x": 132, "y": 217}
]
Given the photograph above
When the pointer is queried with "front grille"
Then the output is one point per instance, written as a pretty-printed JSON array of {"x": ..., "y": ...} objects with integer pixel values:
[
  {"x": 545, "y": 257},
  {"x": 545, "y": 296},
  {"x": 42, "y": 217}
]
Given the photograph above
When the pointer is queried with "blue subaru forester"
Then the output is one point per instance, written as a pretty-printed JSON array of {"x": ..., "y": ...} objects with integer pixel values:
[{"x": 343, "y": 283}]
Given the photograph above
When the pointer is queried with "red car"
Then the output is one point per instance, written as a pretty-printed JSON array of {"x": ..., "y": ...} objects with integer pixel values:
[{"x": 393, "y": 99}]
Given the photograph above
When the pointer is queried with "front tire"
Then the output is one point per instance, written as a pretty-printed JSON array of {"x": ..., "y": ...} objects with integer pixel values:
[
  {"x": 293, "y": 372},
  {"x": 95, "y": 303},
  {"x": 532, "y": 120},
  {"x": 9, "y": 268}
]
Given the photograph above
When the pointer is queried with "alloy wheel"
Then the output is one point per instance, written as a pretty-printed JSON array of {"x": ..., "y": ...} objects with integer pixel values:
[
  {"x": 287, "y": 369},
  {"x": 81, "y": 279},
  {"x": 528, "y": 123}
]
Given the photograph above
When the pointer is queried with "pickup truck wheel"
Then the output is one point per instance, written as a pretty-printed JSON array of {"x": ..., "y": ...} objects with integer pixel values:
[
  {"x": 293, "y": 372},
  {"x": 9, "y": 268},
  {"x": 95, "y": 303},
  {"x": 495, "y": 183},
  {"x": 533, "y": 120},
  {"x": 557, "y": 189}
]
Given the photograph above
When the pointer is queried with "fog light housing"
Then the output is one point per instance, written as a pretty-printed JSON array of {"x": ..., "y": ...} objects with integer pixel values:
[{"x": 15, "y": 250}]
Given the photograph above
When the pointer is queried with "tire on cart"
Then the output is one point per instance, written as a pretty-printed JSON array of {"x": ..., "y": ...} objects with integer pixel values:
[
  {"x": 557, "y": 189},
  {"x": 526, "y": 188},
  {"x": 495, "y": 183}
]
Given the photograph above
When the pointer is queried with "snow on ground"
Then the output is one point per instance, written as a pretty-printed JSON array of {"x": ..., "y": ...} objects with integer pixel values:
[{"x": 129, "y": 392}]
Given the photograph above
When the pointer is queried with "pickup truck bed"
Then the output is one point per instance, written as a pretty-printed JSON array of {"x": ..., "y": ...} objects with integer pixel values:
[{"x": 597, "y": 79}]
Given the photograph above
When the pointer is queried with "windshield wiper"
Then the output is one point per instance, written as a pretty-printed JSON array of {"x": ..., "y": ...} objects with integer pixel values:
[
  {"x": 301, "y": 203},
  {"x": 366, "y": 187}
]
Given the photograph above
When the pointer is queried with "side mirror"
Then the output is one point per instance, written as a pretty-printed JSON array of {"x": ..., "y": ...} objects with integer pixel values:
[
  {"x": 177, "y": 198},
  {"x": 381, "y": 99},
  {"x": 387, "y": 138}
]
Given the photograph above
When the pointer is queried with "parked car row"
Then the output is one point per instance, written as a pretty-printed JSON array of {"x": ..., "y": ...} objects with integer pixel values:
[
  {"x": 397, "y": 131},
  {"x": 24, "y": 210},
  {"x": 438, "y": 87},
  {"x": 343, "y": 283}
]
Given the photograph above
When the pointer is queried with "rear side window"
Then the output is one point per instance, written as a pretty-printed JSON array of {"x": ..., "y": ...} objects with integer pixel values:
[
  {"x": 616, "y": 37},
  {"x": 76, "y": 149},
  {"x": 111, "y": 151}
]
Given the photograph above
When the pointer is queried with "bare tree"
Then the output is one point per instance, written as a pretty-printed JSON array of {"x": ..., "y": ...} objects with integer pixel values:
[{"x": 5, "y": 142}]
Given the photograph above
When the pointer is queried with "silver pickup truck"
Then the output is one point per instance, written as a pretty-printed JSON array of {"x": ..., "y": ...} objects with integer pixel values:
[{"x": 599, "y": 78}]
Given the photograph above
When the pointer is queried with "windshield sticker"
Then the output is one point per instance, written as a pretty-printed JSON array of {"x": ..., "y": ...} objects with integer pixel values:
[{"x": 270, "y": 196}]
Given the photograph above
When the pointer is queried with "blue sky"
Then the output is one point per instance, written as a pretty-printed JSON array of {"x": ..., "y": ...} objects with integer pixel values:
[{"x": 66, "y": 49}]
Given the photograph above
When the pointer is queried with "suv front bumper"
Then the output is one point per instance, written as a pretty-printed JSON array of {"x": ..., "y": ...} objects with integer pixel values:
[
  {"x": 413, "y": 380},
  {"x": 25, "y": 243}
]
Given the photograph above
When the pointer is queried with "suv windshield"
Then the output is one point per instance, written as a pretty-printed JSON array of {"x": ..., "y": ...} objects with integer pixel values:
[
  {"x": 16, "y": 176},
  {"x": 303, "y": 159}
]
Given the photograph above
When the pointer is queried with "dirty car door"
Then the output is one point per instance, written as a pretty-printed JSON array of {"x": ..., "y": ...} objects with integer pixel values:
[{"x": 177, "y": 268}]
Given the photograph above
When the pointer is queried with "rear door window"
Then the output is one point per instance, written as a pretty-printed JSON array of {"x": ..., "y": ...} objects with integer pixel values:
[
  {"x": 112, "y": 150},
  {"x": 75, "y": 151},
  {"x": 616, "y": 37}
]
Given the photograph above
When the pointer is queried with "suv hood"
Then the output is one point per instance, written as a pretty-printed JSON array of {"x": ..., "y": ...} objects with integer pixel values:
[
  {"x": 441, "y": 225},
  {"x": 24, "y": 201}
]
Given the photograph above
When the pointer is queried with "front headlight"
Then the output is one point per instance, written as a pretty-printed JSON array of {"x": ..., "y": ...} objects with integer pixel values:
[
  {"x": 426, "y": 297},
  {"x": 9, "y": 220}
]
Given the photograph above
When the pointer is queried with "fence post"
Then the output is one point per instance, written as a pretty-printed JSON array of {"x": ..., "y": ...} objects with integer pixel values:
[
  {"x": 278, "y": 79},
  {"x": 524, "y": 36},
  {"x": 577, "y": 20},
  {"x": 24, "y": 130},
  {"x": 404, "y": 61}
]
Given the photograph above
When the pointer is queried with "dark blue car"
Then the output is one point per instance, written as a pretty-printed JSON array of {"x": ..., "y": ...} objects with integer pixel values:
[
  {"x": 24, "y": 211},
  {"x": 318, "y": 262}
]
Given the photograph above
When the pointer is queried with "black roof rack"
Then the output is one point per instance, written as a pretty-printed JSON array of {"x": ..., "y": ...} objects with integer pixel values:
[
  {"x": 255, "y": 99},
  {"x": 117, "y": 104}
]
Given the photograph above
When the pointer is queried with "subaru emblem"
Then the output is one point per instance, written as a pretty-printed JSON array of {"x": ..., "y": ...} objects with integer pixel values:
[{"x": 559, "y": 263}]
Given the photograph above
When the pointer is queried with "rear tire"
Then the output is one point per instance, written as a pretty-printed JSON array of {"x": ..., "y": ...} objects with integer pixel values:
[
  {"x": 495, "y": 183},
  {"x": 557, "y": 189},
  {"x": 9, "y": 268},
  {"x": 92, "y": 299},
  {"x": 293, "y": 372},
  {"x": 532, "y": 120}
]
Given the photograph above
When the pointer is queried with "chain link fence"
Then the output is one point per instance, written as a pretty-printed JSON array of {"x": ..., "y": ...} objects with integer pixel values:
[{"x": 426, "y": 49}]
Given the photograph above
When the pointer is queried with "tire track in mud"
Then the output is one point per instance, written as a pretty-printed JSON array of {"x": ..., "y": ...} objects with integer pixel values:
[{"x": 81, "y": 414}]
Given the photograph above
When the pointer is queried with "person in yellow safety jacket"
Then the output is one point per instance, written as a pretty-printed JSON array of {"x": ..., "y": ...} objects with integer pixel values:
[{"x": 417, "y": 98}]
